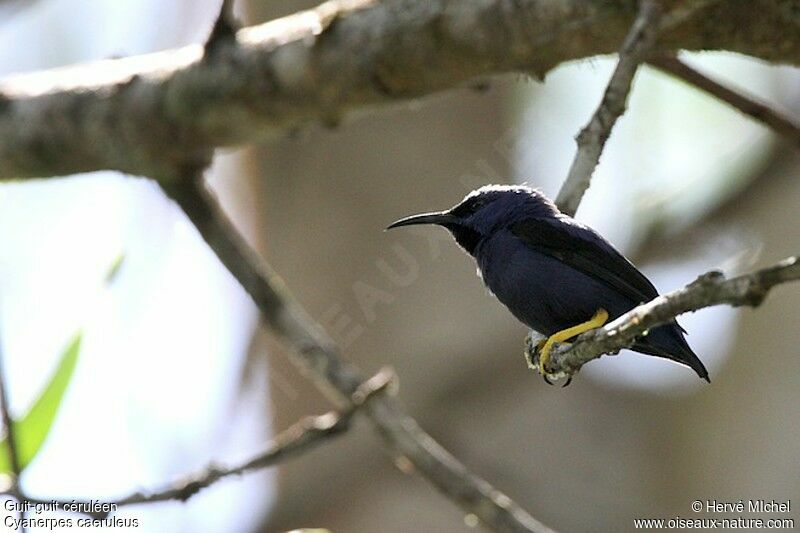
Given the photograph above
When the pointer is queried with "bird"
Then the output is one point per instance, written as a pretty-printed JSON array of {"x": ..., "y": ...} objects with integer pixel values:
[{"x": 556, "y": 275}]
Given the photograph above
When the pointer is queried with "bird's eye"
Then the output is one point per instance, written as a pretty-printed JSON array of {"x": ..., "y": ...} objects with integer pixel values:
[
  {"x": 470, "y": 207},
  {"x": 477, "y": 205}
]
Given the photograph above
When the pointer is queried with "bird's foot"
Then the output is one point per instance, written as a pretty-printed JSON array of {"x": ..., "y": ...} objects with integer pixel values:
[
  {"x": 532, "y": 349},
  {"x": 545, "y": 347},
  {"x": 532, "y": 357}
]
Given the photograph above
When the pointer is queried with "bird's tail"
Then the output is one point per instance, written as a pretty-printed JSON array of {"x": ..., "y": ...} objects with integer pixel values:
[{"x": 667, "y": 341}]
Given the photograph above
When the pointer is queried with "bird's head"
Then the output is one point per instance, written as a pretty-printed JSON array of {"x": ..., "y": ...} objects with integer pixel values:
[{"x": 484, "y": 211}]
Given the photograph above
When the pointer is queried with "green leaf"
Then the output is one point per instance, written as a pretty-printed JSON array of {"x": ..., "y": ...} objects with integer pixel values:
[
  {"x": 113, "y": 270},
  {"x": 31, "y": 431}
]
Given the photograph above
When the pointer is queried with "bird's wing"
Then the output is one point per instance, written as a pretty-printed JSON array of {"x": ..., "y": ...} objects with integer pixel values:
[{"x": 585, "y": 250}]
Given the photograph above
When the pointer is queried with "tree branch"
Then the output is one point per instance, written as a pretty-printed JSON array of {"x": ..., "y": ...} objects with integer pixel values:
[
  {"x": 153, "y": 115},
  {"x": 747, "y": 104},
  {"x": 709, "y": 289},
  {"x": 592, "y": 138},
  {"x": 316, "y": 353},
  {"x": 299, "y": 438}
]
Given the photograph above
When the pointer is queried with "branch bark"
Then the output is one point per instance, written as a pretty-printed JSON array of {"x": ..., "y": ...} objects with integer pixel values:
[
  {"x": 316, "y": 353},
  {"x": 156, "y": 115},
  {"x": 709, "y": 289}
]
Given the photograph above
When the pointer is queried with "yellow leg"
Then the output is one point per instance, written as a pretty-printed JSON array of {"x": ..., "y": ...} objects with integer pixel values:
[{"x": 599, "y": 318}]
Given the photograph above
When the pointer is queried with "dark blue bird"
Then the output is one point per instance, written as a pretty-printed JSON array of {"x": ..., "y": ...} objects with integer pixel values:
[{"x": 556, "y": 275}]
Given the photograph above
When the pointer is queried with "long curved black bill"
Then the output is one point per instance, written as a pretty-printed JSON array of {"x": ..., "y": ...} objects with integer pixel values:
[{"x": 441, "y": 218}]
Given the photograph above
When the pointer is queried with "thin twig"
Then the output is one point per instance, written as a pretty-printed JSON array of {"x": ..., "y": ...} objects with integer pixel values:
[
  {"x": 594, "y": 135},
  {"x": 748, "y": 104},
  {"x": 300, "y": 438},
  {"x": 708, "y": 290},
  {"x": 313, "y": 350},
  {"x": 8, "y": 422}
]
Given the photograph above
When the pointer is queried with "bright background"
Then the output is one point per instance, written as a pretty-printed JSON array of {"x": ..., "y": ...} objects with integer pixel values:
[
  {"x": 159, "y": 389},
  {"x": 175, "y": 373}
]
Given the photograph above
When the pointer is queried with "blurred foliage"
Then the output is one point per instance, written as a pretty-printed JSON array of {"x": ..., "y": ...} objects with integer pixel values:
[
  {"x": 32, "y": 430},
  {"x": 113, "y": 270}
]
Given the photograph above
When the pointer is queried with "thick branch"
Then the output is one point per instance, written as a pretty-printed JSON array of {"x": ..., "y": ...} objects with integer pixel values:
[
  {"x": 150, "y": 115},
  {"x": 747, "y": 104},
  {"x": 592, "y": 138},
  {"x": 314, "y": 351},
  {"x": 709, "y": 289}
]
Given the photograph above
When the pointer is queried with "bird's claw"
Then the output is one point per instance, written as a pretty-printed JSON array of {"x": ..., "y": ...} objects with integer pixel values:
[
  {"x": 533, "y": 356},
  {"x": 547, "y": 380},
  {"x": 545, "y": 346}
]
